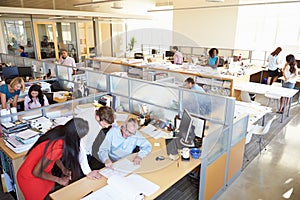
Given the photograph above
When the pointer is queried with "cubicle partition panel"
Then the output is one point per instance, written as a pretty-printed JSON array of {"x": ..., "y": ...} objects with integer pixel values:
[
  {"x": 237, "y": 148},
  {"x": 213, "y": 166},
  {"x": 49, "y": 69},
  {"x": 96, "y": 80}
]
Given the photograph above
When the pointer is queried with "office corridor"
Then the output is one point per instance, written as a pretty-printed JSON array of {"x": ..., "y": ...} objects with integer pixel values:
[{"x": 275, "y": 173}]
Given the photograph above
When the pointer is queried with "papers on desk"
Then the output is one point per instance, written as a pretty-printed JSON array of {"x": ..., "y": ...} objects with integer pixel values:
[
  {"x": 153, "y": 131},
  {"x": 121, "y": 117},
  {"x": 27, "y": 134},
  {"x": 120, "y": 168},
  {"x": 62, "y": 120},
  {"x": 16, "y": 145},
  {"x": 133, "y": 187}
]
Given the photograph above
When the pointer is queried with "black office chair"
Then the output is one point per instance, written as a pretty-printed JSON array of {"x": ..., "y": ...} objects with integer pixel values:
[
  {"x": 138, "y": 56},
  {"x": 49, "y": 96}
]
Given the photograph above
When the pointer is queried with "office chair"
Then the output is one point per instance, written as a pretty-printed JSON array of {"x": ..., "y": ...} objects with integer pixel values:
[
  {"x": 138, "y": 56},
  {"x": 261, "y": 131}
]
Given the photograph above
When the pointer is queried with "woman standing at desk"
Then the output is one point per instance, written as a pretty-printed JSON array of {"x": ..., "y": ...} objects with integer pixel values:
[
  {"x": 273, "y": 60},
  {"x": 59, "y": 145},
  {"x": 35, "y": 98},
  {"x": 290, "y": 73},
  {"x": 213, "y": 59},
  {"x": 10, "y": 92}
]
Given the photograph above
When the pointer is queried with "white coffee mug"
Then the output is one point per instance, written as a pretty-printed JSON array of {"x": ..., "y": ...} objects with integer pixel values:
[{"x": 185, "y": 153}]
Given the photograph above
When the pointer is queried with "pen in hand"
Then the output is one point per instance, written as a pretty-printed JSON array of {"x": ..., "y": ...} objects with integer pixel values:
[{"x": 88, "y": 194}]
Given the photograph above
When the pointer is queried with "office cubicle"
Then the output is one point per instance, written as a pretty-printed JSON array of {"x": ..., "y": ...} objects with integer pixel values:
[
  {"x": 224, "y": 136},
  {"x": 224, "y": 141}
]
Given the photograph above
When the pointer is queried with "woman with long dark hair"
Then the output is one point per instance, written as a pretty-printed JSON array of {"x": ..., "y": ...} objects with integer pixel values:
[
  {"x": 290, "y": 73},
  {"x": 35, "y": 98},
  {"x": 273, "y": 60},
  {"x": 60, "y": 145}
]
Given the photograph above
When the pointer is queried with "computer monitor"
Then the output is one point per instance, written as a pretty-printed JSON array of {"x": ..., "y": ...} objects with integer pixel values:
[
  {"x": 10, "y": 72},
  {"x": 169, "y": 53},
  {"x": 24, "y": 71},
  {"x": 184, "y": 129}
]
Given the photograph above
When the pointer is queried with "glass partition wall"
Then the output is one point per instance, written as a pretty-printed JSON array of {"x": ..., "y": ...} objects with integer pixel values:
[{"x": 18, "y": 31}]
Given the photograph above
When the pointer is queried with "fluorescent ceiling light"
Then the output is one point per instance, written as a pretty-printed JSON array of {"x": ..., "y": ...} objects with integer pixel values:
[
  {"x": 58, "y": 17},
  {"x": 93, "y": 3}
]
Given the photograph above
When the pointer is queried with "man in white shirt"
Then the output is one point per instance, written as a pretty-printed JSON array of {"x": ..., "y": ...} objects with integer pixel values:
[{"x": 66, "y": 60}]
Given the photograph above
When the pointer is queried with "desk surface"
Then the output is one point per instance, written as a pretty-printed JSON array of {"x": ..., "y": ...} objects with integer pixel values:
[
  {"x": 163, "y": 173},
  {"x": 254, "y": 111},
  {"x": 263, "y": 89}
]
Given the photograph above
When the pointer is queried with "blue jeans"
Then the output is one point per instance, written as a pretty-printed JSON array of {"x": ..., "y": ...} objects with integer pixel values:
[{"x": 288, "y": 85}]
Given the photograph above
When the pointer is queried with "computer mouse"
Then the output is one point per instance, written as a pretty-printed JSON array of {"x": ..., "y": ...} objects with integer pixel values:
[{"x": 159, "y": 158}]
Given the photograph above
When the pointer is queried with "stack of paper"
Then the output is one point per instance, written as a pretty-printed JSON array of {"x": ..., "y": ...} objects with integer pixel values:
[
  {"x": 153, "y": 131},
  {"x": 133, "y": 187},
  {"x": 121, "y": 168}
]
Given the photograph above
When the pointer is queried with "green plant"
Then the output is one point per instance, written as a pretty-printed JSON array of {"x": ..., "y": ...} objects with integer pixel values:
[{"x": 131, "y": 44}]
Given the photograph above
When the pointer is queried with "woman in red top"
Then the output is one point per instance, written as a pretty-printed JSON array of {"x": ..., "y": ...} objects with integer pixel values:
[{"x": 59, "y": 145}]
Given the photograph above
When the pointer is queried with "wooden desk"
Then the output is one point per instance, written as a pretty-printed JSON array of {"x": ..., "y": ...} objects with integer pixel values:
[
  {"x": 163, "y": 173},
  {"x": 16, "y": 160}
]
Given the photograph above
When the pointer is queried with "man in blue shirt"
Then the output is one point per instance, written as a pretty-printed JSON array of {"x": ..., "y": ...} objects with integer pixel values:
[
  {"x": 21, "y": 50},
  {"x": 190, "y": 83},
  {"x": 120, "y": 142}
]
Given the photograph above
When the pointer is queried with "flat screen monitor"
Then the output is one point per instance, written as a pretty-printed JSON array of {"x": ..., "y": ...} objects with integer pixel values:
[
  {"x": 169, "y": 53},
  {"x": 24, "y": 71},
  {"x": 184, "y": 129},
  {"x": 10, "y": 72}
]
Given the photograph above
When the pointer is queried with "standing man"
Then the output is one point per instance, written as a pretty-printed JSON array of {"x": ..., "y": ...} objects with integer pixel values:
[
  {"x": 66, "y": 60},
  {"x": 21, "y": 50},
  {"x": 120, "y": 142},
  {"x": 178, "y": 58}
]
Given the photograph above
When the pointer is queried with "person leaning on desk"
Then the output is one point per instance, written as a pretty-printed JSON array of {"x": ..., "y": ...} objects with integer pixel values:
[
  {"x": 59, "y": 145},
  {"x": 213, "y": 59},
  {"x": 120, "y": 142},
  {"x": 35, "y": 98},
  {"x": 9, "y": 93}
]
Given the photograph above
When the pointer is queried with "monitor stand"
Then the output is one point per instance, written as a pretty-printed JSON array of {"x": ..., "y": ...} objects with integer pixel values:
[{"x": 187, "y": 144}]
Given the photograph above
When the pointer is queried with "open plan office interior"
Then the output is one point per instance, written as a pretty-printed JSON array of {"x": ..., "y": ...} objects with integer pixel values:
[{"x": 124, "y": 58}]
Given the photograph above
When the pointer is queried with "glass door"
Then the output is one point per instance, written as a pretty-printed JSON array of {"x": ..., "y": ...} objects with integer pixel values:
[{"x": 46, "y": 40}]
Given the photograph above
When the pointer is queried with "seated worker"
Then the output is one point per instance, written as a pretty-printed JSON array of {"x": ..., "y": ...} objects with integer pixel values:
[
  {"x": 9, "y": 93},
  {"x": 178, "y": 58},
  {"x": 21, "y": 50},
  {"x": 121, "y": 141},
  {"x": 35, "y": 98},
  {"x": 213, "y": 59},
  {"x": 190, "y": 83}
]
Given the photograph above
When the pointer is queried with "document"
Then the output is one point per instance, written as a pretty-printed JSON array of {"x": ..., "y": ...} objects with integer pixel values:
[
  {"x": 153, "y": 131},
  {"x": 133, "y": 187},
  {"x": 121, "y": 117},
  {"x": 121, "y": 168},
  {"x": 28, "y": 133}
]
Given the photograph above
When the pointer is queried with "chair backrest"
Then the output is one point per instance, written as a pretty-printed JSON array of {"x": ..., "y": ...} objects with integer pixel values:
[
  {"x": 250, "y": 133},
  {"x": 268, "y": 125}
]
